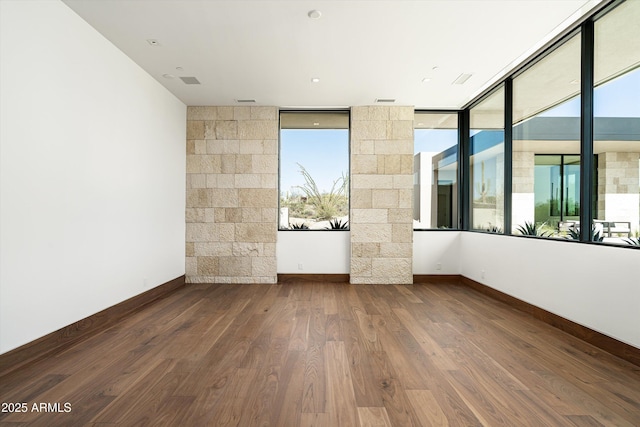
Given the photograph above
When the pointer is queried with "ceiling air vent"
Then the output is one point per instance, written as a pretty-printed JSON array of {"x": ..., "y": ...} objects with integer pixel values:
[
  {"x": 387, "y": 100},
  {"x": 462, "y": 78},
  {"x": 190, "y": 80}
]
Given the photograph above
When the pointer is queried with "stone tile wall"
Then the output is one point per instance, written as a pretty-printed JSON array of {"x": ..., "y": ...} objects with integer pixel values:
[
  {"x": 618, "y": 183},
  {"x": 232, "y": 194},
  {"x": 381, "y": 195}
]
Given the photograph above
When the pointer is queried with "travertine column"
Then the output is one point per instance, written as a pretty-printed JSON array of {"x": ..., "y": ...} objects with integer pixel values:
[
  {"x": 618, "y": 182},
  {"x": 523, "y": 196},
  {"x": 232, "y": 194},
  {"x": 381, "y": 195}
]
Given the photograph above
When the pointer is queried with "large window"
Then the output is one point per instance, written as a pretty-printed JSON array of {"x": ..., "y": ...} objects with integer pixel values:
[
  {"x": 435, "y": 184},
  {"x": 314, "y": 170},
  {"x": 617, "y": 125},
  {"x": 486, "y": 163},
  {"x": 546, "y": 145}
]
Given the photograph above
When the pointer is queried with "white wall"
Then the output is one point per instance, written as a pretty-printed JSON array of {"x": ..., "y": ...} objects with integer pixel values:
[
  {"x": 431, "y": 248},
  {"x": 592, "y": 285},
  {"x": 319, "y": 252},
  {"x": 92, "y": 174}
]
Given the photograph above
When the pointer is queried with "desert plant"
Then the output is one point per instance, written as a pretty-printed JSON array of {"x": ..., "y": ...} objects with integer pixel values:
[
  {"x": 336, "y": 224},
  {"x": 633, "y": 241},
  {"x": 301, "y": 226},
  {"x": 326, "y": 204},
  {"x": 533, "y": 229},
  {"x": 494, "y": 229},
  {"x": 574, "y": 234}
]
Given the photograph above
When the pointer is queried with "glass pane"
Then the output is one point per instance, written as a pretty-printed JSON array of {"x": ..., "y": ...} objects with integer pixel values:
[
  {"x": 546, "y": 145},
  {"x": 314, "y": 170},
  {"x": 486, "y": 164},
  {"x": 435, "y": 188},
  {"x": 617, "y": 126}
]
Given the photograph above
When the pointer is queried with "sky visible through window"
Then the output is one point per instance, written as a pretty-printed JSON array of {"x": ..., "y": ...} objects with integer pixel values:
[{"x": 324, "y": 153}]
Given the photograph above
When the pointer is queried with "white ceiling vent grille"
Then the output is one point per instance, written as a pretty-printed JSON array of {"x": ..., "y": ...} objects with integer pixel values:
[
  {"x": 385, "y": 100},
  {"x": 462, "y": 78},
  {"x": 246, "y": 101},
  {"x": 190, "y": 80}
]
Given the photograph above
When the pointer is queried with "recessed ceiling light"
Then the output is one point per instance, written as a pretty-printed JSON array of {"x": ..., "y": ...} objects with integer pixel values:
[
  {"x": 168, "y": 76},
  {"x": 314, "y": 14},
  {"x": 316, "y": 124},
  {"x": 426, "y": 79},
  {"x": 153, "y": 42},
  {"x": 179, "y": 68},
  {"x": 574, "y": 82},
  {"x": 315, "y": 80}
]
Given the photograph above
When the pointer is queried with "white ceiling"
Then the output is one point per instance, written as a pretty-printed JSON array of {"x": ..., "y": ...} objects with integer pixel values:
[{"x": 360, "y": 50}]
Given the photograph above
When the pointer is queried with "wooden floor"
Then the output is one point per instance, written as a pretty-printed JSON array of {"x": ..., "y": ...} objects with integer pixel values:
[{"x": 328, "y": 354}]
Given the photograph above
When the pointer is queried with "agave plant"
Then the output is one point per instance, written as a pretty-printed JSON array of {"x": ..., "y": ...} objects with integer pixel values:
[
  {"x": 336, "y": 224},
  {"x": 633, "y": 241},
  {"x": 596, "y": 235},
  {"x": 301, "y": 226},
  {"x": 494, "y": 229},
  {"x": 533, "y": 229}
]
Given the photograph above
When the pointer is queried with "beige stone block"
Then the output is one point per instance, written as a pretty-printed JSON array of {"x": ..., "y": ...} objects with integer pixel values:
[
  {"x": 402, "y": 129},
  {"x": 224, "y": 146},
  {"x": 251, "y": 215},
  {"x": 385, "y": 146},
  {"x": 243, "y": 163},
  {"x": 258, "y": 129},
  {"x": 194, "y": 215},
  {"x": 251, "y": 249},
  {"x": 211, "y": 249},
  {"x": 191, "y": 146},
  {"x": 258, "y": 197},
  {"x": 201, "y": 232},
  {"x": 264, "y": 113},
  {"x": 203, "y": 164},
  {"x": 242, "y": 113},
  {"x": 226, "y": 129},
  {"x": 391, "y": 164},
  {"x": 359, "y": 113},
  {"x": 196, "y": 180},
  {"x": 391, "y": 267},
  {"x": 402, "y": 112},
  {"x": 361, "y": 198},
  {"x": 191, "y": 267},
  {"x": 369, "y": 216},
  {"x": 365, "y": 250},
  {"x": 248, "y": 180},
  {"x": 228, "y": 163},
  {"x": 405, "y": 197},
  {"x": 371, "y": 181},
  {"x": 223, "y": 180},
  {"x": 207, "y": 266},
  {"x": 200, "y": 146},
  {"x": 269, "y": 249},
  {"x": 370, "y": 233},
  {"x": 201, "y": 113},
  {"x": 252, "y": 146},
  {"x": 189, "y": 249},
  {"x": 403, "y": 181},
  {"x": 406, "y": 166},
  {"x": 234, "y": 266},
  {"x": 364, "y": 280},
  {"x": 364, "y": 164},
  {"x": 195, "y": 129},
  {"x": 380, "y": 113},
  {"x": 231, "y": 215},
  {"x": 402, "y": 233},
  {"x": 224, "y": 113},
  {"x": 198, "y": 198},
  {"x": 269, "y": 180},
  {"x": 209, "y": 129},
  {"x": 209, "y": 214},
  {"x": 384, "y": 198},
  {"x": 226, "y": 232},
  {"x": 270, "y": 146},
  {"x": 401, "y": 215},
  {"x": 269, "y": 215},
  {"x": 264, "y": 163},
  {"x": 362, "y": 147},
  {"x": 396, "y": 250},
  {"x": 263, "y": 266},
  {"x": 224, "y": 197},
  {"x": 360, "y": 267},
  {"x": 256, "y": 232},
  {"x": 369, "y": 129}
]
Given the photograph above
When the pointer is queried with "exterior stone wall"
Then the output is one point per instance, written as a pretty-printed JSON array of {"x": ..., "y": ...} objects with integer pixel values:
[
  {"x": 381, "y": 216},
  {"x": 523, "y": 196},
  {"x": 618, "y": 183},
  {"x": 232, "y": 194}
]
